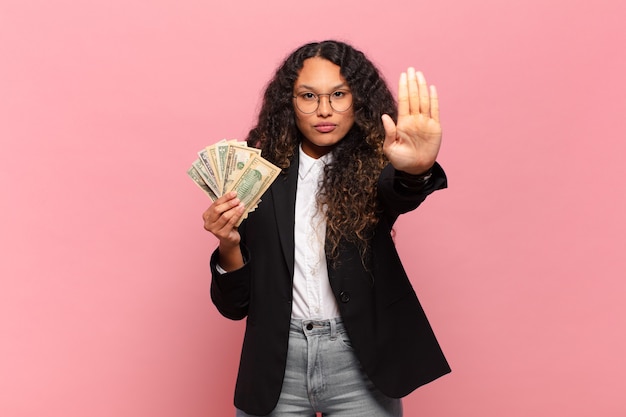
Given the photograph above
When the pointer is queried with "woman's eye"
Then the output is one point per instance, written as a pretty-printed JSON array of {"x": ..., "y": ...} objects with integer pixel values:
[
  {"x": 308, "y": 96},
  {"x": 340, "y": 94}
]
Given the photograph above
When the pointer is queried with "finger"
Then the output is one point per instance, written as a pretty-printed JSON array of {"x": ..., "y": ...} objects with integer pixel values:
[
  {"x": 226, "y": 202},
  {"x": 414, "y": 97},
  {"x": 390, "y": 132},
  {"x": 226, "y": 197},
  {"x": 434, "y": 103},
  {"x": 229, "y": 219},
  {"x": 403, "y": 96},
  {"x": 213, "y": 221},
  {"x": 224, "y": 222},
  {"x": 214, "y": 213},
  {"x": 390, "y": 128},
  {"x": 424, "y": 96}
]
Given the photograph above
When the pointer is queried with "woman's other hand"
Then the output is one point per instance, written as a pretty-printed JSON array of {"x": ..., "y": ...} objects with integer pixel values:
[
  {"x": 413, "y": 143},
  {"x": 221, "y": 219}
]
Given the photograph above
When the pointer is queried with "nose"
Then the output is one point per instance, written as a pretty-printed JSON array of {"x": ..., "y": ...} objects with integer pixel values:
[{"x": 324, "y": 108}]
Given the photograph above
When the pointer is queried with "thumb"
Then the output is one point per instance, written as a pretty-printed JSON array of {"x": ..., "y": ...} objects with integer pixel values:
[{"x": 390, "y": 128}]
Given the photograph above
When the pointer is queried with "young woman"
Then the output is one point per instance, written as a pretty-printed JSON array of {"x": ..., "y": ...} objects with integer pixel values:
[{"x": 333, "y": 323}]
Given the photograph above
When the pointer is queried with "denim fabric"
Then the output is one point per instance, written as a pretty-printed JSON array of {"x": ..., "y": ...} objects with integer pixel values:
[{"x": 323, "y": 375}]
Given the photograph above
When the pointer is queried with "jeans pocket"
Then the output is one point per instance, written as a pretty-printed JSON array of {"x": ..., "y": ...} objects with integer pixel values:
[{"x": 344, "y": 340}]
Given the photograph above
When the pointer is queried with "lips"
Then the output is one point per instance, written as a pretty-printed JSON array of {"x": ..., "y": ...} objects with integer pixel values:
[{"x": 325, "y": 127}]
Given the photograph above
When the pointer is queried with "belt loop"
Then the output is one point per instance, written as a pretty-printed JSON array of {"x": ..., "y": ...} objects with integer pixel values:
[
  {"x": 296, "y": 324},
  {"x": 333, "y": 329}
]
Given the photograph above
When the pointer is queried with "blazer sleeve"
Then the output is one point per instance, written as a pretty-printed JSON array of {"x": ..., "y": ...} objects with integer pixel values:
[
  {"x": 397, "y": 198},
  {"x": 230, "y": 291}
]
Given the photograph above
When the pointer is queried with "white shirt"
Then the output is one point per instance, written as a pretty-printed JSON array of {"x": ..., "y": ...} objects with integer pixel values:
[{"x": 312, "y": 295}]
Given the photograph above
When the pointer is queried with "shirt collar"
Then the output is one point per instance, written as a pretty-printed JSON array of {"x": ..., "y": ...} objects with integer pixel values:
[{"x": 307, "y": 163}]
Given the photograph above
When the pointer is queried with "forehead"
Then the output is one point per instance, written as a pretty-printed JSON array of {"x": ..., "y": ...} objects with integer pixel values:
[{"x": 319, "y": 73}]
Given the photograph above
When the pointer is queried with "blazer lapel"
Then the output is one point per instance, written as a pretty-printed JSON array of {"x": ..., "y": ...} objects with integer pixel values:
[{"x": 284, "y": 195}]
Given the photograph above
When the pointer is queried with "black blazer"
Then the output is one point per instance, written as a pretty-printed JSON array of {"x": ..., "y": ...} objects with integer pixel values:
[{"x": 388, "y": 329}]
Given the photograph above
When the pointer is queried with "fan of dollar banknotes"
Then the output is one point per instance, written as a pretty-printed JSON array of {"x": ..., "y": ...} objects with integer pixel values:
[{"x": 230, "y": 165}]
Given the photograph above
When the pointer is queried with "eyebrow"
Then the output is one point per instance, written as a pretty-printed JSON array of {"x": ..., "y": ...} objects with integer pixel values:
[{"x": 308, "y": 87}]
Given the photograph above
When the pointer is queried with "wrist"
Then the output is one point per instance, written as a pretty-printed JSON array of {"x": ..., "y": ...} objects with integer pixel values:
[
  {"x": 417, "y": 171},
  {"x": 420, "y": 177},
  {"x": 229, "y": 255}
]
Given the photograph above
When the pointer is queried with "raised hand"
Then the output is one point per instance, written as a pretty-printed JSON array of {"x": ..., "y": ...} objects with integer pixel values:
[{"x": 413, "y": 143}]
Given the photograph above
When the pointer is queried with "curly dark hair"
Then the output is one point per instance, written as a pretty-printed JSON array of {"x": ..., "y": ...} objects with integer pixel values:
[{"x": 348, "y": 191}]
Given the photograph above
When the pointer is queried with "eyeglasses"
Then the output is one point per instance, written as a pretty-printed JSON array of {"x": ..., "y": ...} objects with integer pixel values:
[{"x": 340, "y": 101}]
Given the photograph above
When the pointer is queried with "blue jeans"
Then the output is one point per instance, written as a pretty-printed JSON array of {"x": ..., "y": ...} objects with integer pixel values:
[{"x": 323, "y": 375}]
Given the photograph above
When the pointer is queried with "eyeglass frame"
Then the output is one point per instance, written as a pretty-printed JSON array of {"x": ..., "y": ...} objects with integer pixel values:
[{"x": 330, "y": 102}]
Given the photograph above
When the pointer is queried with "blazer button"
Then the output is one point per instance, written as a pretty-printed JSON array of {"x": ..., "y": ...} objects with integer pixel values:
[{"x": 344, "y": 296}]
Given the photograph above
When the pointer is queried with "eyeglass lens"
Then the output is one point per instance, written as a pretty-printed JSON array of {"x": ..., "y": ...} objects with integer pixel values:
[{"x": 309, "y": 102}]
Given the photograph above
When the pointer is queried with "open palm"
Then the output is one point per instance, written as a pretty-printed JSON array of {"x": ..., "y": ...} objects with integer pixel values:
[{"x": 413, "y": 143}]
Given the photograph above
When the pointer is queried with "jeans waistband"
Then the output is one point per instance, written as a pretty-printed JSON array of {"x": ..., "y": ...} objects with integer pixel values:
[{"x": 331, "y": 327}]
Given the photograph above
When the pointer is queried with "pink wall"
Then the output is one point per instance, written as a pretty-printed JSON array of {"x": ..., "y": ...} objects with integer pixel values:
[{"x": 104, "y": 284}]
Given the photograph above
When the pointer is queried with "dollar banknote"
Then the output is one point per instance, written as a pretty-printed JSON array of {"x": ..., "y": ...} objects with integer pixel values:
[
  {"x": 237, "y": 157},
  {"x": 229, "y": 165},
  {"x": 253, "y": 180},
  {"x": 210, "y": 169},
  {"x": 197, "y": 178}
]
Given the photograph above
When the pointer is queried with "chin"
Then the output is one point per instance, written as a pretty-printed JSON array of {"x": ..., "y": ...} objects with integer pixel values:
[{"x": 328, "y": 139}]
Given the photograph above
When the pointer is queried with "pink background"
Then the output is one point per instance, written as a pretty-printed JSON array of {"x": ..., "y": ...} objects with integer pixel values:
[{"x": 104, "y": 279}]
